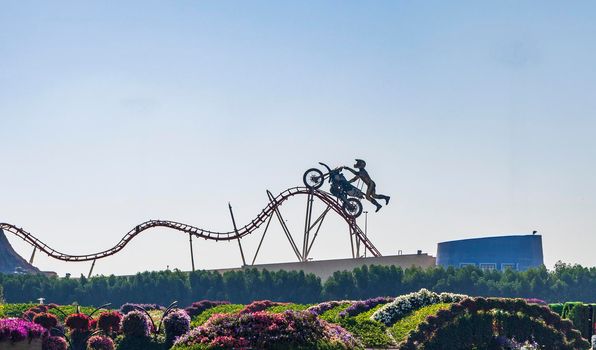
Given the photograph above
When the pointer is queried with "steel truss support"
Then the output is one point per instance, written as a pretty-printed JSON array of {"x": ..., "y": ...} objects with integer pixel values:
[
  {"x": 91, "y": 269},
  {"x": 318, "y": 221},
  {"x": 262, "y": 238},
  {"x": 355, "y": 243},
  {"x": 307, "y": 220},
  {"x": 236, "y": 230},
  {"x": 192, "y": 257},
  {"x": 284, "y": 226},
  {"x": 32, "y": 255}
]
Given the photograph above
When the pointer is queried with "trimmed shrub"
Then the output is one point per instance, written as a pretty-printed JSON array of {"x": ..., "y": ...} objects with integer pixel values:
[
  {"x": 558, "y": 308},
  {"x": 54, "y": 343},
  {"x": 176, "y": 323},
  {"x": 99, "y": 342},
  {"x": 79, "y": 322},
  {"x": 136, "y": 324},
  {"x": 46, "y": 320},
  {"x": 198, "y": 307},
  {"x": 109, "y": 322}
]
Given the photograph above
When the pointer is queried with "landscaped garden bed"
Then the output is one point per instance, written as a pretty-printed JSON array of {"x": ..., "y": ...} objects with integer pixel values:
[{"x": 420, "y": 320}]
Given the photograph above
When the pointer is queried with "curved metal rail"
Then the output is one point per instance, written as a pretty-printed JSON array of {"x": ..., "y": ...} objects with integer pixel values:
[{"x": 198, "y": 232}]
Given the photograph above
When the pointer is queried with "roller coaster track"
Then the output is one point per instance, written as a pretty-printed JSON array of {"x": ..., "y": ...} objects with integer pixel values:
[{"x": 264, "y": 216}]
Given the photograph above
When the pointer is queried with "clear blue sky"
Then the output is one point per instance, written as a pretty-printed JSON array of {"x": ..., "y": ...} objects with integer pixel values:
[{"x": 478, "y": 118}]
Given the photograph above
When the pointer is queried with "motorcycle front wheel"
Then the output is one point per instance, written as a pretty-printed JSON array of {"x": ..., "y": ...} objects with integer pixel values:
[
  {"x": 352, "y": 207},
  {"x": 313, "y": 178}
]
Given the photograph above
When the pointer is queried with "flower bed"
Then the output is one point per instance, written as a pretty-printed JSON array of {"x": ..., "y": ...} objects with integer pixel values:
[
  {"x": 364, "y": 305},
  {"x": 405, "y": 304},
  {"x": 14, "y": 330},
  {"x": 264, "y": 330}
]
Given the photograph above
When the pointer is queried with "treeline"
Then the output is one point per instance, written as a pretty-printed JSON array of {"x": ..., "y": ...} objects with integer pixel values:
[{"x": 563, "y": 283}]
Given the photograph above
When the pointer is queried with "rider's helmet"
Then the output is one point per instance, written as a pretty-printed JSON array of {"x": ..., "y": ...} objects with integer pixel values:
[{"x": 359, "y": 164}]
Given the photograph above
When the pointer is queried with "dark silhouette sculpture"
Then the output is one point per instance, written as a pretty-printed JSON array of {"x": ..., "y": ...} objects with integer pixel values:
[{"x": 371, "y": 190}]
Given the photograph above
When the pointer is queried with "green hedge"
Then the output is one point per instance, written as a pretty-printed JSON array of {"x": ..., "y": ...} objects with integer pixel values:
[
  {"x": 580, "y": 314},
  {"x": 557, "y": 307},
  {"x": 370, "y": 332}
]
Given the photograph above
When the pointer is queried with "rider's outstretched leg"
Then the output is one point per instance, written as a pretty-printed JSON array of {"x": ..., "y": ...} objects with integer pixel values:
[{"x": 382, "y": 196}]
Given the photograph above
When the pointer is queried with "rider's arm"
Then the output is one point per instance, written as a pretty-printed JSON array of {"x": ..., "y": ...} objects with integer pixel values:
[
  {"x": 350, "y": 170},
  {"x": 354, "y": 179}
]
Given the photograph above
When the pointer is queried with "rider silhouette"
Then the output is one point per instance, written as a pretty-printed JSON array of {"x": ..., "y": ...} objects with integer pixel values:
[{"x": 362, "y": 174}]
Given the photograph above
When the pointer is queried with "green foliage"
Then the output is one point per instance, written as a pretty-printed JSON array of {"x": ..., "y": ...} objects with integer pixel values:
[
  {"x": 565, "y": 282},
  {"x": 403, "y": 327},
  {"x": 14, "y": 310},
  {"x": 220, "y": 309},
  {"x": 557, "y": 307},
  {"x": 332, "y": 315},
  {"x": 474, "y": 323},
  {"x": 580, "y": 314},
  {"x": 291, "y": 306}
]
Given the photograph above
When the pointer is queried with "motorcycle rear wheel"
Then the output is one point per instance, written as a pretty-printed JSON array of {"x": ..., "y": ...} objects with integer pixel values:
[
  {"x": 313, "y": 178},
  {"x": 352, "y": 207}
]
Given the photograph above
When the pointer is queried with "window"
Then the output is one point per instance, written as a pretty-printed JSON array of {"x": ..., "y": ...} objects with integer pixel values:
[
  {"x": 466, "y": 264},
  {"x": 488, "y": 267},
  {"x": 506, "y": 266}
]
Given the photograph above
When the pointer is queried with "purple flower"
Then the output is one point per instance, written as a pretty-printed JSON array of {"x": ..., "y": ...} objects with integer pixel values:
[
  {"x": 364, "y": 305},
  {"x": 100, "y": 343},
  {"x": 16, "y": 329}
]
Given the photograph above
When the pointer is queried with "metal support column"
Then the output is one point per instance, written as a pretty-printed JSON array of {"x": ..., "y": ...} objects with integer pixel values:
[
  {"x": 91, "y": 269},
  {"x": 307, "y": 221},
  {"x": 284, "y": 226},
  {"x": 32, "y": 255},
  {"x": 236, "y": 230},
  {"x": 192, "y": 257},
  {"x": 262, "y": 238}
]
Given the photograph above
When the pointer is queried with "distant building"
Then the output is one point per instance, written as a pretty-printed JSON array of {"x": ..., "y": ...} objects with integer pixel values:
[{"x": 493, "y": 253}]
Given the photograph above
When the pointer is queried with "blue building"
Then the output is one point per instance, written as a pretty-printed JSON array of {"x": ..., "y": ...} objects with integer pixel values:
[{"x": 493, "y": 253}]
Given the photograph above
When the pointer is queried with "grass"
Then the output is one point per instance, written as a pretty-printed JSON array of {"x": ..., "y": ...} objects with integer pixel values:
[
  {"x": 371, "y": 333},
  {"x": 281, "y": 308},
  {"x": 16, "y": 310},
  {"x": 220, "y": 309},
  {"x": 331, "y": 315},
  {"x": 403, "y": 327}
]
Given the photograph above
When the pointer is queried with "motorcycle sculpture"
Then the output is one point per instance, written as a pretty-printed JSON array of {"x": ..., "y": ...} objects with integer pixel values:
[{"x": 348, "y": 194}]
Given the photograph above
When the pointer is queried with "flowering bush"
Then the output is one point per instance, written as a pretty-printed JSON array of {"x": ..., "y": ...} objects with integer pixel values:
[
  {"x": 109, "y": 322},
  {"x": 128, "y": 307},
  {"x": 319, "y": 309},
  {"x": 227, "y": 342},
  {"x": 46, "y": 320},
  {"x": 263, "y": 330},
  {"x": 198, "y": 307},
  {"x": 78, "y": 322},
  {"x": 98, "y": 342},
  {"x": 259, "y": 305},
  {"x": 405, "y": 304},
  {"x": 364, "y": 305},
  {"x": 54, "y": 343},
  {"x": 15, "y": 330},
  {"x": 136, "y": 324},
  {"x": 176, "y": 323}
]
